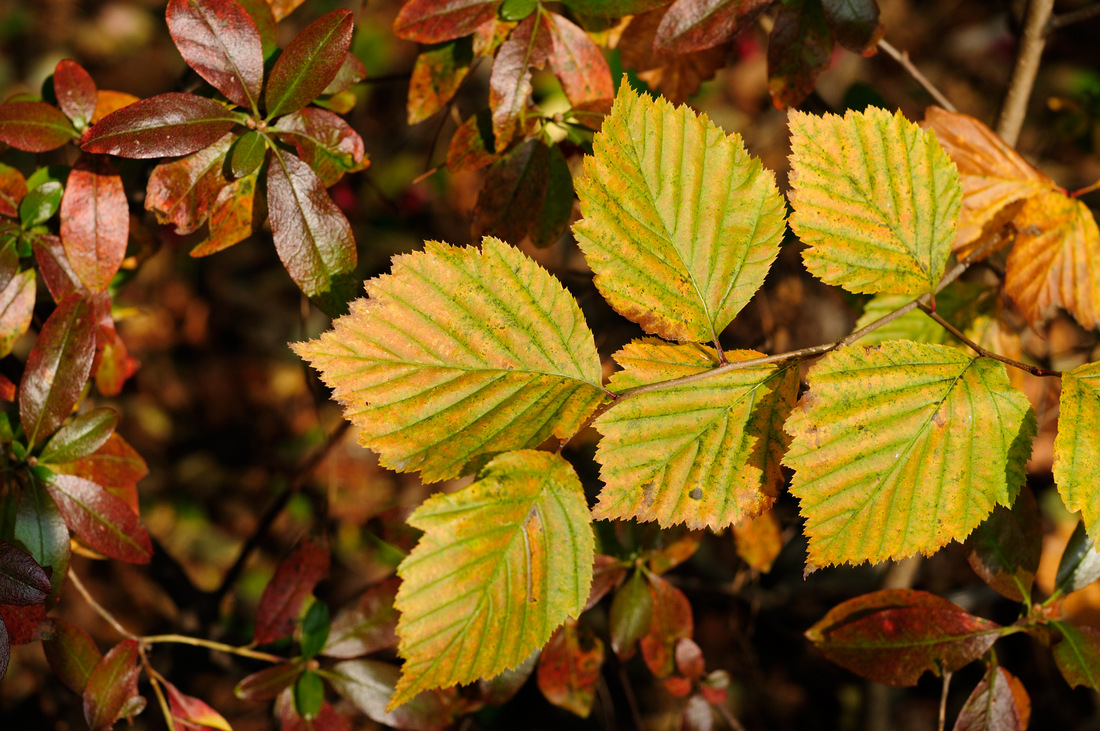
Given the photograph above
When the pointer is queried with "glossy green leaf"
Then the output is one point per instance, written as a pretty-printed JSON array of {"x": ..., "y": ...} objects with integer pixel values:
[
  {"x": 80, "y": 437},
  {"x": 435, "y": 21},
  {"x": 41, "y": 529},
  {"x": 631, "y": 613},
  {"x": 1080, "y": 562},
  {"x": 95, "y": 221},
  {"x": 315, "y": 628},
  {"x": 680, "y": 223},
  {"x": 221, "y": 42},
  {"x": 458, "y": 354},
  {"x": 875, "y": 198},
  {"x": 309, "y": 694},
  {"x": 247, "y": 154},
  {"x": 16, "y": 309},
  {"x": 35, "y": 126},
  {"x": 501, "y": 564},
  {"x": 308, "y": 63},
  {"x": 894, "y": 636},
  {"x": 1076, "y": 451},
  {"x": 1077, "y": 655},
  {"x": 102, "y": 520},
  {"x": 40, "y": 203},
  {"x": 111, "y": 684},
  {"x": 161, "y": 126},
  {"x": 312, "y": 236},
  {"x": 901, "y": 448},
  {"x": 702, "y": 452}
]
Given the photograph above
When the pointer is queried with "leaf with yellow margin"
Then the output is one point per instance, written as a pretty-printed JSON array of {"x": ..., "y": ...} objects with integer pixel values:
[{"x": 500, "y": 566}]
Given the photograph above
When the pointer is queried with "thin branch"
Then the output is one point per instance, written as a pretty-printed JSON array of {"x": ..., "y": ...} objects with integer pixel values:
[
  {"x": 99, "y": 609},
  {"x": 212, "y": 645},
  {"x": 902, "y": 57},
  {"x": 1033, "y": 370},
  {"x": 155, "y": 679},
  {"x": 1057, "y": 22},
  {"x": 943, "y": 699},
  {"x": 1032, "y": 41},
  {"x": 729, "y": 718}
]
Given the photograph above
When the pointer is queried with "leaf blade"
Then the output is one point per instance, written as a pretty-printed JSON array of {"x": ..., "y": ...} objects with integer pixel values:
[
  {"x": 34, "y": 126},
  {"x": 222, "y": 43},
  {"x": 166, "y": 125},
  {"x": 102, "y": 520},
  {"x": 95, "y": 221},
  {"x": 308, "y": 63}
]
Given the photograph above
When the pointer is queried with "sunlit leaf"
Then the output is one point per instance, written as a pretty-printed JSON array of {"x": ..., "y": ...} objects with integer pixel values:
[
  {"x": 435, "y": 21},
  {"x": 1077, "y": 654},
  {"x": 676, "y": 76},
  {"x": 107, "y": 101},
  {"x": 1076, "y": 452},
  {"x": 75, "y": 91},
  {"x": 72, "y": 654},
  {"x": 351, "y": 72},
  {"x": 799, "y": 48},
  {"x": 460, "y": 353},
  {"x": 894, "y": 636},
  {"x": 694, "y": 25},
  {"x": 161, "y": 126},
  {"x": 998, "y": 703},
  {"x": 40, "y": 203},
  {"x": 102, "y": 520},
  {"x": 900, "y": 448},
  {"x": 232, "y": 217},
  {"x": 294, "y": 580},
  {"x": 472, "y": 146},
  {"x": 501, "y": 564},
  {"x": 529, "y": 46},
  {"x": 13, "y": 186},
  {"x": 95, "y": 221},
  {"x": 34, "y": 126},
  {"x": 324, "y": 141},
  {"x": 190, "y": 710},
  {"x": 182, "y": 191},
  {"x": 369, "y": 685},
  {"x": 696, "y": 453},
  {"x": 112, "y": 682},
  {"x": 436, "y": 76},
  {"x": 578, "y": 63},
  {"x": 875, "y": 198},
  {"x": 759, "y": 540},
  {"x": 221, "y": 42},
  {"x": 80, "y": 437},
  {"x": 1055, "y": 261},
  {"x": 308, "y": 63},
  {"x": 569, "y": 668},
  {"x": 680, "y": 223},
  {"x": 16, "y": 309},
  {"x": 115, "y": 465},
  {"x": 855, "y": 23},
  {"x": 1004, "y": 549}
]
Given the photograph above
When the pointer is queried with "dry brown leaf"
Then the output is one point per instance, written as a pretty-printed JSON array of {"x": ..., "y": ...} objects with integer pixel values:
[{"x": 675, "y": 76}]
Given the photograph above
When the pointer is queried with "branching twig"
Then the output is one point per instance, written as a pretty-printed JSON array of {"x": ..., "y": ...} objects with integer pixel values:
[
  {"x": 155, "y": 679},
  {"x": 1074, "y": 16},
  {"x": 1033, "y": 370},
  {"x": 212, "y": 645},
  {"x": 902, "y": 57},
  {"x": 1032, "y": 41}
]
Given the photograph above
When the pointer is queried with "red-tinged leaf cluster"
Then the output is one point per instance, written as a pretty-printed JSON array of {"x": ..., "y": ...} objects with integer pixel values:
[{"x": 111, "y": 691}]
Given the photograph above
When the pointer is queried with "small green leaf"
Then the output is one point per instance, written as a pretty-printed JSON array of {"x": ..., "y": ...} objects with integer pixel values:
[
  {"x": 80, "y": 437},
  {"x": 247, "y": 154},
  {"x": 501, "y": 564},
  {"x": 39, "y": 204},
  {"x": 1077, "y": 655},
  {"x": 309, "y": 694},
  {"x": 631, "y": 612},
  {"x": 1080, "y": 563},
  {"x": 517, "y": 9},
  {"x": 875, "y": 198},
  {"x": 315, "y": 628},
  {"x": 901, "y": 448},
  {"x": 680, "y": 223},
  {"x": 40, "y": 527}
]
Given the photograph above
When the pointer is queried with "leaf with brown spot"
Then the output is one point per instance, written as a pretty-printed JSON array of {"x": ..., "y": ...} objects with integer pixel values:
[
  {"x": 569, "y": 668},
  {"x": 436, "y": 76},
  {"x": 529, "y": 46},
  {"x": 676, "y": 76}
]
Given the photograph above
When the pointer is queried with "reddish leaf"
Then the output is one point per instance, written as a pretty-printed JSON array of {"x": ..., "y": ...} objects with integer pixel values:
[
  {"x": 95, "y": 221},
  {"x": 324, "y": 141},
  {"x": 673, "y": 549},
  {"x": 80, "y": 437},
  {"x": 578, "y": 63},
  {"x": 110, "y": 101},
  {"x": 513, "y": 193},
  {"x": 34, "y": 126},
  {"x": 569, "y": 668},
  {"x": 54, "y": 265},
  {"x": 57, "y": 368},
  {"x": 13, "y": 186},
  {"x": 435, "y": 21},
  {"x": 854, "y": 23},
  {"x": 116, "y": 466},
  {"x": 689, "y": 659},
  {"x": 799, "y": 48},
  {"x": 677, "y": 686},
  {"x": 312, "y": 236},
  {"x": 529, "y": 46},
  {"x": 1004, "y": 549},
  {"x": 998, "y": 703},
  {"x": 267, "y": 683},
  {"x": 161, "y": 126},
  {"x": 5, "y": 650},
  {"x": 631, "y": 610},
  {"x": 369, "y": 684},
  {"x": 102, "y": 520},
  {"x": 181, "y": 192},
  {"x": 75, "y": 91},
  {"x": 1077, "y": 655},
  {"x": 676, "y": 76},
  {"x": 113, "y": 365},
  {"x": 351, "y": 72},
  {"x": 16, "y": 309},
  {"x": 222, "y": 43},
  {"x": 367, "y": 626},
  {"x": 472, "y": 144},
  {"x": 500, "y": 689},
  {"x": 607, "y": 573},
  {"x": 7, "y": 389},
  {"x": 72, "y": 654},
  {"x": 282, "y": 598},
  {"x": 263, "y": 15},
  {"x": 670, "y": 621},
  {"x": 436, "y": 76},
  {"x": 111, "y": 684},
  {"x": 231, "y": 217},
  {"x": 41, "y": 529},
  {"x": 191, "y": 713},
  {"x": 695, "y": 25},
  {"x": 22, "y": 580},
  {"x": 893, "y": 636},
  {"x": 557, "y": 204},
  {"x": 308, "y": 63},
  {"x": 25, "y": 624}
]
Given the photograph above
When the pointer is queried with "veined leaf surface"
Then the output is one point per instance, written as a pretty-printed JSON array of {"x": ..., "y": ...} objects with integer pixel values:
[
  {"x": 901, "y": 448},
  {"x": 680, "y": 223},
  {"x": 457, "y": 354},
  {"x": 500, "y": 566},
  {"x": 702, "y": 452},
  {"x": 1076, "y": 451},
  {"x": 875, "y": 198}
]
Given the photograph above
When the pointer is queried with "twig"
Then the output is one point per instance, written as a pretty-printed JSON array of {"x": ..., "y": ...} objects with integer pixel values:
[
  {"x": 1057, "y": 22},
  {"x": 1032, "y": 41},
  {"x": 99, "y": 609},
  {"x": 943, "y": 699},
  {"x": 155, "y": 679},
  {"x": 1033, "y": 370},
  {"x": 212, "y": 645},
  {"x": 729, "y": 718},
  {"x": 902, "y": 57}
]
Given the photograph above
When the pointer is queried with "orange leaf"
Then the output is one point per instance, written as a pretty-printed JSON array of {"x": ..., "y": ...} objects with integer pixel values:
[{"x": 676, "y": 76}]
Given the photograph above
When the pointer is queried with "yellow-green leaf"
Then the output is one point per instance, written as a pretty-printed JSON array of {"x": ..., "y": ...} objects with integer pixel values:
[
  {"x": 961, "y": 304},
  {"x": 705, "y": 452},
  {"x": 500, "y": 566},
  {"x": 1076, "y": 448},
  {"x": 680, "y": 223},
  {"x": 875, "y": 198},
  {"x": 458, "y": 354},
  {"x": 901, "y": 448}
]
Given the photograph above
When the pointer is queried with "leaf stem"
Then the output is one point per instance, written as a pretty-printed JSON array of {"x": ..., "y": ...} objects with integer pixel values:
[
  {"x": 1033, "y": 370},
  {"x": 212, "y": 645},
  {"x": 902, "y": 57},
  {"x": 1032, "y": 41}
]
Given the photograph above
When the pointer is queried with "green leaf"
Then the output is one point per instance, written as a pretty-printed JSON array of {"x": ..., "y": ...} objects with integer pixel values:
[
  {"x": 962, "y": 303},
  {"x": 705, "y": 452},
  {"x": 247, "y": 154},
  {"x": 631, "y": 613},
  {"x": 40, "y": 527},
  {"x": 1077, "y": 655},
  {"x": 39, "y": 204},
  {"x": 315, "y": 628},
  {"x": 309, "y": 694},
  {"x": 680, "y": 223},
  {"x": 501, "y": 564},
  {"x": 875, "y": 198},
  {"x": 1076, "y": 450},
  {"x": 901, "y": 448},
  {"x": 460, "y": 353},
  {"x": 1080, "y": 562},
  {"x": 80, "y": 437}
]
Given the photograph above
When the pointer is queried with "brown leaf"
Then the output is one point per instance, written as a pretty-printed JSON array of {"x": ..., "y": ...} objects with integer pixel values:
[
  {"x": 676, "y": 76},
  {"x": 231, "y": 218},
  {"x": 513, "y": 193},
  {"x": 181, "y": 192},
  {"x": 471, "y": 145},
  {"x": 528, "y": 47},
  {"x": 435, "y": 21}
]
